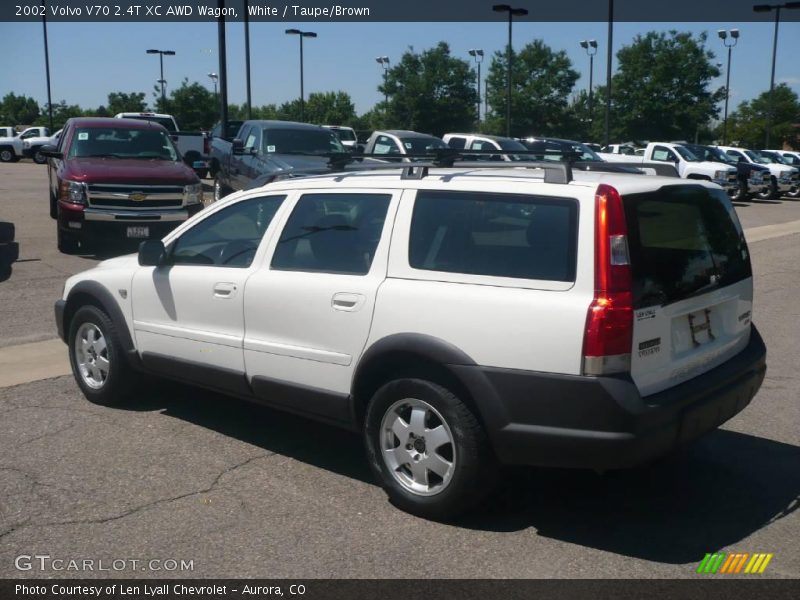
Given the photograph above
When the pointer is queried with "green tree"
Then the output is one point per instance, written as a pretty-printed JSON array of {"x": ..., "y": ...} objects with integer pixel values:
[
  {"x": 330, "y": 108},
  {"x": 18, "y": 110},
  {"x": 61, "y": 112},
  {"x": 541, "y": 81},
  {"x": 431, "y": 92},
  {"x": 747, "y": 125},
  {"x": 125, "y": 102},
  {"x": 192, "y": 105},
  {"x": 661, "y": 88}
]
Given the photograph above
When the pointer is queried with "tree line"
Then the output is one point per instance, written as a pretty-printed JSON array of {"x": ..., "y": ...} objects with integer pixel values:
[{"x": 662, "y": 90}]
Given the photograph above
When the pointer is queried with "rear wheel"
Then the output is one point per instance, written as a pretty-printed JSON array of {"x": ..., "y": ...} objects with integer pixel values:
[
  {"x": 97, "y": 357},
  {"x": 428, "y": 449}
]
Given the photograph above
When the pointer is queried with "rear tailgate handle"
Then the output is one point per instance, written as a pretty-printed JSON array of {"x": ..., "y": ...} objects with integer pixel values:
[
  {"x": 224, "y": 290},
  {"x": 347, "y": 301}
]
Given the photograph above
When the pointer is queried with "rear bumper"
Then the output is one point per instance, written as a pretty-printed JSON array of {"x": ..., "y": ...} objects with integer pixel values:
[{"x": 603, "y": 422}]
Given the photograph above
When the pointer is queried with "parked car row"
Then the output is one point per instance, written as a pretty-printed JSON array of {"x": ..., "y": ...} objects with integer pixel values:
[{"x": 26, "y": 144}]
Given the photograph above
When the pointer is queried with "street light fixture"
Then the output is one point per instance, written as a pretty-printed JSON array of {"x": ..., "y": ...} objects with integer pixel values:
[
  {"x": 762, "y": 8},
  {"x": 301, "y": 35},
  {"x": 734, "y": 36},
  {"x": 162, "y": 81},
  {"x": 383, "y": 61},
  {"x": 214, "y": 77},
  {"x": 512, "y": 12},
  {"x": 477, "y": 54},
  {"x": 591, "y": 49}
]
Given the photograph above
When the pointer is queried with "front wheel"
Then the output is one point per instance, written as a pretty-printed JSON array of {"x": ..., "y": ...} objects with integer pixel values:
[
  {"x": 97, "y": 358},
  {"x": 220, "y": 189},
  {"x": 794, "y": 193},
  {"x": 7, "y": 155},
  {"x": 428, "y": 449},
  {"x": 765, "y": 193},
  {"x": 38, "y": 157},
  {"x": 67, "y": 244}
]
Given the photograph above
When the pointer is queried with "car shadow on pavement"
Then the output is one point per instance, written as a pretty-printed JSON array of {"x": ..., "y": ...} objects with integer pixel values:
[
  {"x": 9, "y": 249},
  {"x": 712, "y": 494},
  {"x": 313, "y": 443}
]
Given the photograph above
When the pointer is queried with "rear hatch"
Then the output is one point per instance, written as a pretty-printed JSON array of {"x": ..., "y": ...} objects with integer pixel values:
[{"x": 692, "y": 284}]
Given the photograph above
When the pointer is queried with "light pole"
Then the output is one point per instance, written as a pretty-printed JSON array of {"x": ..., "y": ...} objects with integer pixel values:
[
  {"x": 512, "y": 12},
  {"x": 609, "y": 57},
  {"x": 734, "y": 39},
  {"x": 301, "y": 35},
  {"x": 214, "y": 77},
  {"x": 777, "y": 8},
  {"x": 162, "y": 81},
  {"x": 47, "y": 66},
  {"x": 589, "y": 46},
  {"x": 477, "y": 54},
  {"x": 383, "y": 61},
  {"x": 247, "y": 57}
]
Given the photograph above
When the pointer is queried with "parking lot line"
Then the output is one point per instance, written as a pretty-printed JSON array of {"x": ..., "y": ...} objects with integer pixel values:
[
  {"x": 31, "y": 362},
  {"x": 767, "y": 232}
]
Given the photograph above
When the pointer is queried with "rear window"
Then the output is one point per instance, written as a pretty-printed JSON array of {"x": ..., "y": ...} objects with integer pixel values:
[
  {"x": 499, "y": 235},
  {"x": 683, "y": 241}
]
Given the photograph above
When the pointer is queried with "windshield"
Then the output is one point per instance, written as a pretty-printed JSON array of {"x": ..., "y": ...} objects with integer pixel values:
[
  {"x": 300, "y": 141},
  {"x": 346, "y": 135},
  {"x": 122, "y": 142},
  {"x": 756, "y": 157},
  {"x": 559, "y": 150},
  {"x": 686, "y": 154},
  {"x": 774, "y": 157},
  {"x": 420, "y": 145},
  {"x": 712, "y": 154},
  {"x": 166, "y": 122}
]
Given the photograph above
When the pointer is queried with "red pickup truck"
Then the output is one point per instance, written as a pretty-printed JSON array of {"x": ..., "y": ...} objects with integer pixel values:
[{"x": 117, "y": 179}]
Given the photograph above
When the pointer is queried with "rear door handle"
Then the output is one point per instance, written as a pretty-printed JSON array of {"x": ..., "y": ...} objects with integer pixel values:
[
  {"x": 225, "y": 290},
  {"x": 347, "y": 301}
]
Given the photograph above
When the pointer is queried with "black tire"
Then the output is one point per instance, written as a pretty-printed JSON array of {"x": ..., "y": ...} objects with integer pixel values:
[
  {"x": 767, "y": 192},
  {"x": 220, "y": 190},
  {"x": 118, "y": 385},
  {"x": 774, "y": 193},
  {"x": 474, "y": 472},
  {"x": 37, "y": 156},
  {"x": 7, "y": 155},
  {"x": 53, "y": 206},
  {"x": 67, "y": 244},
  {"x": 741, "y": 193}
]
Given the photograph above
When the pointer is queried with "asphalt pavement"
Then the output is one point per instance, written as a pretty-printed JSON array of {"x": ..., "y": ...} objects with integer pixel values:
[{"x": 238, "y": 490}]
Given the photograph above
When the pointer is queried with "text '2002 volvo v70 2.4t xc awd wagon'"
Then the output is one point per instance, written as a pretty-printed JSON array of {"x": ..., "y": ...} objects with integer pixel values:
[{"x": 460, "y": 317}]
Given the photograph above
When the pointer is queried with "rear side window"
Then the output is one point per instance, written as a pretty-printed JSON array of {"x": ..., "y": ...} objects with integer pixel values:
[
  {"x": 332, "y": 233},
  {"x": 683, "y": 241},
  {"x": 499, "y": 235},
  {"x": 457, "y": 142}
]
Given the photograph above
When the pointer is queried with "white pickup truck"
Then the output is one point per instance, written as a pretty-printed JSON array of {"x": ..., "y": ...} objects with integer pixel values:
[
  {"x": 193, "y": 145},
  {"x": 11, "y": 147},
  {"x": 688, "y": 165},
  {"x": 784, "y": 177},
  {"x": 31, "y": 146}
]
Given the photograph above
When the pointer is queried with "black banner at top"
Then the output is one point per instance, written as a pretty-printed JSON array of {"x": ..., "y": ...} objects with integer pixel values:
[{"x": 120, "y": 11}]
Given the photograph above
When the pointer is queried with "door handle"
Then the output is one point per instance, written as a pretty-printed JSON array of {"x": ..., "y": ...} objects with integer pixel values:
[
  {"x": 347, "y": 301},
  {"x": 224, "y": 290}
]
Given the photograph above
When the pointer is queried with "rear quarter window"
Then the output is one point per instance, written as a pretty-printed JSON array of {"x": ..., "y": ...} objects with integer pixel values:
[{"x": 498, "y": 235}]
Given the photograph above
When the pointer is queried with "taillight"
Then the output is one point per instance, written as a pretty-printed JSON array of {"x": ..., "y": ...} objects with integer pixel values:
[{"x": 609, "y": 321}]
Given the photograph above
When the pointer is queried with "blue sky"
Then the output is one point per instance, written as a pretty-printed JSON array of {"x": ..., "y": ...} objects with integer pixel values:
[{"x": 88, "y": 60}]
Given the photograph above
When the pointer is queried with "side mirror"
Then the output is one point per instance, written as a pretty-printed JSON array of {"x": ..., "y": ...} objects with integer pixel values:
[
  {"x": 50, "y": 151},
  {"x": 152, "y": 253},
  {"x": 237, "y": 146}
]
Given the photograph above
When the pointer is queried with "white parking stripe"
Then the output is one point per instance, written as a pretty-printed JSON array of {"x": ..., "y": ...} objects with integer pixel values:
[
  {"x": 767, "y": 232},
  {"x": 31, "y": 362}
]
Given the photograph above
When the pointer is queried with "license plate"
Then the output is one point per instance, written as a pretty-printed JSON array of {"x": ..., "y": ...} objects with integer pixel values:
[{"x": 138, "y": 232}]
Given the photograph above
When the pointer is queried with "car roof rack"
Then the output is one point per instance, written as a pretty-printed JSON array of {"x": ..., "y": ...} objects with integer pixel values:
[{"x": 415, "y": 166}]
